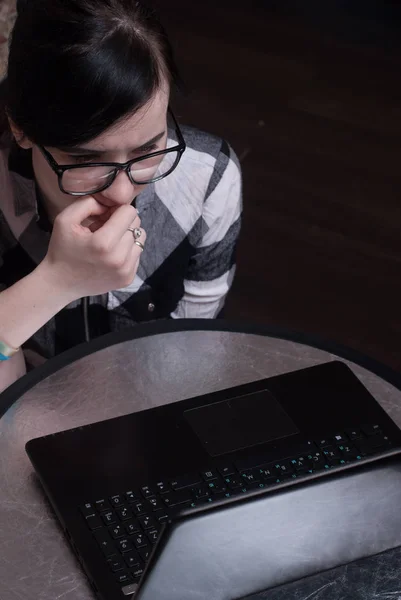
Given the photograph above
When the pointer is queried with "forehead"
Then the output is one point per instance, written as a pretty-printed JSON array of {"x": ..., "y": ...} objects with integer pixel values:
[{"x": 136, "y": 129}]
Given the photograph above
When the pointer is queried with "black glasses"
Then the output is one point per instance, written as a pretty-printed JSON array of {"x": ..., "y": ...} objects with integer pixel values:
[{"x": 91, "y": 178}]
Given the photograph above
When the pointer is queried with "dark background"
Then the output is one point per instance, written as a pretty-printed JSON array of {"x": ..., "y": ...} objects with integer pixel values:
[{"x": 308, "y": 93}]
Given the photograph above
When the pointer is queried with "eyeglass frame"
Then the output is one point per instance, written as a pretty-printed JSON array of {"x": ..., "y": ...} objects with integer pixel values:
[{"x": 59, "y": 170}]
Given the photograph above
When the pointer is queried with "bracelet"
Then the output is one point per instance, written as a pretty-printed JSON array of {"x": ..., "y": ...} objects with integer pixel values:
[{"x": 6, "y": 352}]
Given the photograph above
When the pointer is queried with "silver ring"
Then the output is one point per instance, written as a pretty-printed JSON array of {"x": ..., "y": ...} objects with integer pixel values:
[
  {"x": 136, "y": 232},
  {"x": 142, "y": 247}
]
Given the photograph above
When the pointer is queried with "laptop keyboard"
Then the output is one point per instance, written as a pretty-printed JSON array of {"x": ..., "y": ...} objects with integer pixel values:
[{"x": 126, "y": 525}]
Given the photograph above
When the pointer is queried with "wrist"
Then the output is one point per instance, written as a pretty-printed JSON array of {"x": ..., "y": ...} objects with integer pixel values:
[{"x": 54, "y": 286}]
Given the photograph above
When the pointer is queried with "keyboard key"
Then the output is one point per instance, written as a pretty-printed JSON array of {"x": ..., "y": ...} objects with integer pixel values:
[
  {"x": 201, "y": 491},
  {"x": 131, "y": 526},
  {"x": 219, "y": 495},
  {"x": 153, "y": 534},
  {"x": 105, "y": 543},
  {"x": 349, "y": 451},
  {"x": 354, "y": 434},
  {"x": 371, "y": 429},
  {"x": 373, "y": 444},
  {"x": 226, "y": 470},
  {"x": 323, "y": 442},
  {"x": 139, "y": 508},
  {"x": 283, "y": 476},
  {"x": 162, "y": 518},
  {"x": 185, "y": 481},
  {"x": 123, "y": 577},
  {"x": 116, "y": 564},
  {"x": 204, "y": 500},
  {"x": 252, "y": 462},
  {"x": 284, "y": 465},
  {"x": 267, "y": 473},
  {"x": 139, "y": 540},
  {"x": 234, "y": 482},
  {"x": 147, "y": 522},
  {"x": 339, "y": 438},
  {"x": 162, "y": 487},
  {"x": 155, "y": 503},
  {"x": 147, "y": 491},
  {"x": 379, "y": 441},
  {"x": 209, "y": 475},
  {"x": 88, "y": 510},
  {"x": 304, "y": 448},
  {"x": 125, "y": 545},
  {"x": 217, "y": 487},
  {"x": 124, "y": 513},
  {"x": 109, "y": 518},
  {"x": 265, "y": 459},
  {"x": 102, "y": 505},
  {"x": 175, "y": 499},
  {"x": 132, "y": 559},
  {"x": 144, "y": 553},
  {"x": 94, "y": 523},
  {"x": 116, "y": 501},
  {"x": 251, "y": 476},
  {"x": 331, "y": 452},
  {"x": 317, "y": 459},
  {"x": 337, "y": 461},
  {"x": 137, "y": 573},
  {"x": 283, "y": 468},
  {"x": 116, "y": 531},
  {"x": 132, "y": 497},
  {"x": 365, "y": 448},
  {"x": 300, "y": 465},
  {"x": 130, "y": 589}
]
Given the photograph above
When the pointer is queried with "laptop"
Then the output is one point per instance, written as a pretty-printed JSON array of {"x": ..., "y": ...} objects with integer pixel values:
[{"x": 127, "y": 490}]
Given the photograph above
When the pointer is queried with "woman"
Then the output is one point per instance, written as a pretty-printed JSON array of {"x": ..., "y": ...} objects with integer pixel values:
[{"x": 111, "y": 213}]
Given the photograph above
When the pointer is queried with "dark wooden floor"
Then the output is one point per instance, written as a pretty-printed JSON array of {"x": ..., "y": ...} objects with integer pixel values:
[{"x": 309, "y": 95}]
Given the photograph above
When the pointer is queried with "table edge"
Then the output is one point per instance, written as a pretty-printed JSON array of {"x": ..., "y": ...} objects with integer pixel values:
[{"x": 9, "y": 396}]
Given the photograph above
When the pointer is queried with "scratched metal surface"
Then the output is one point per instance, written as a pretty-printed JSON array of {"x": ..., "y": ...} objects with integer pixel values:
[{"x": 35, "y": 561}]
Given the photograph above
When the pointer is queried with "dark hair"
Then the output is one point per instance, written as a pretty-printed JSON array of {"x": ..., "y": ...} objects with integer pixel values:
[{"x": 76, "y": 67}]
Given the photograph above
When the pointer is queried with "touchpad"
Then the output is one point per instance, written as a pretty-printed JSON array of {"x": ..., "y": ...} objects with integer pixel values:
[{"x": 240, "y": 422}]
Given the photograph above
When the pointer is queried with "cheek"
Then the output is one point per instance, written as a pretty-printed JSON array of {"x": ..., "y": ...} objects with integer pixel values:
[
  {"x": 44, "y": 174},
  {"x": 138, "y": 189},
  {"x": 55, "y": 201},
  {"x": 47, "y": 180}
]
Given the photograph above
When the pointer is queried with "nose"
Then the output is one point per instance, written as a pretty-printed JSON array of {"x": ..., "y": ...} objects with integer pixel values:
[{"x": 120, "y": 192}]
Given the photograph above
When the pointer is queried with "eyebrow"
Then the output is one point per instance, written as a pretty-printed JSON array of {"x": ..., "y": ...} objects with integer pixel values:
[{"x": 89, "y": 152}]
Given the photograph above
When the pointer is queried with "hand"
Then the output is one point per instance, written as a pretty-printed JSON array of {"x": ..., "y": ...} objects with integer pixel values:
[{"x": 88, "y": 261}]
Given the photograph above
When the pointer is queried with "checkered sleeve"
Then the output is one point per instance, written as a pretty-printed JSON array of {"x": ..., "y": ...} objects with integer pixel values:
[{"x": 211, "y": 270}]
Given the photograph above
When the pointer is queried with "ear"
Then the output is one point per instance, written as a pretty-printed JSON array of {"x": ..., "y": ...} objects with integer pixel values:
[{"x": 19, "y": 136}]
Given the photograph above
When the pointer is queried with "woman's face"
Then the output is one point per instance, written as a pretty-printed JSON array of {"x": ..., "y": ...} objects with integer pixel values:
[{"x": 140, "y": 134}]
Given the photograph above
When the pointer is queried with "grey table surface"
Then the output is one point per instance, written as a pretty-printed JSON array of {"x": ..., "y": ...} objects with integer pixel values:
[{"x": 36, "y": 562}]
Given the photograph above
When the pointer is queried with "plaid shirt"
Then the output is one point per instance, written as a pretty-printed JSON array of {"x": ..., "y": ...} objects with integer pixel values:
[{"x": 192, "y": 221}]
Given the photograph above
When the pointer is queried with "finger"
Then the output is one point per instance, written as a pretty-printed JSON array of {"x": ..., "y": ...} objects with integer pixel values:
[
  {"x": 139, "y": 243},
  {"x": 81, "y": 209},
  {"x": 118, "y": 223},
  {"x": 96, "y": 225},
  {"x": 133, "y": 269},
  {"x": 136, "y": 223},
  {"x": 129, "y": 238},
  {"x": 133, "y": 257},
  {"x": 98, "y": 222}
]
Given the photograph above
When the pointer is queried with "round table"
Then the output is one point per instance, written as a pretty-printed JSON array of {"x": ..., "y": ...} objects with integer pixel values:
[{"x": 151, "y": 365}]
